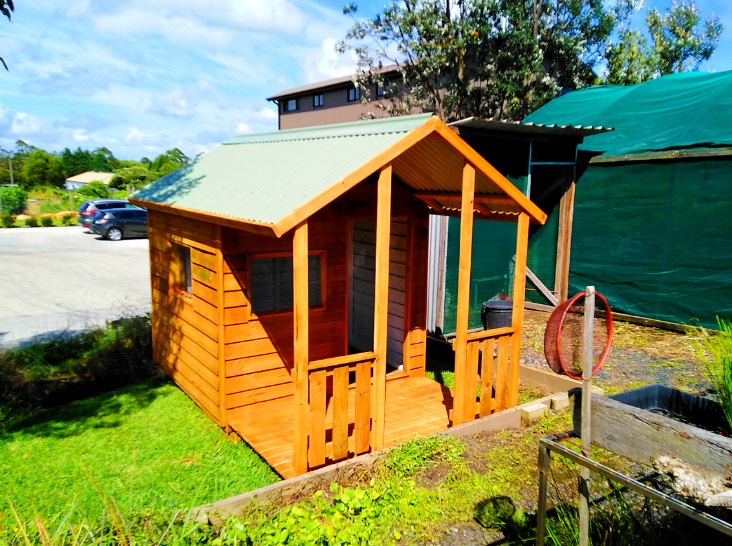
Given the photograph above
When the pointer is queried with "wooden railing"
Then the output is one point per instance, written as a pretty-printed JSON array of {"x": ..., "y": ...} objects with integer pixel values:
[
  {"x": 334, "y": 375},
  {"x": 487, "y": 371}
]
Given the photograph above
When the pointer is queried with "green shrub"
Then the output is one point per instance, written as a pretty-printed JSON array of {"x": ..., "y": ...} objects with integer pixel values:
[
  {"x": 52, "y": 207},
  {"x": 68, "y": 219},
  {"x": 93, "y": 190},
  {"x": 31, "y": 221},
  {"x": 46, "y": 221},
  {"x": 717, "y": 349},
  {"x": 8, "y": 220},
  {"x": 72, "y": 367},
  {"x": 14, "y": 199}
]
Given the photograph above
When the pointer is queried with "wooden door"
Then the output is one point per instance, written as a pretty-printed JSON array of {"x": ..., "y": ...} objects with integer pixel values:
[{"x": 361, "y": 304}]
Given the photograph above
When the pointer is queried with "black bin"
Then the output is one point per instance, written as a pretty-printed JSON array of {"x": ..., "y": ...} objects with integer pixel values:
[{"x": 496, "y": 314}]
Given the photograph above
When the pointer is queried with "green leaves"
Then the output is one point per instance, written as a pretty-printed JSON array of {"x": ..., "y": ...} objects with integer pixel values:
[
  {"x": 488, "y": 58},
  {"x": 679, "y": 41}
]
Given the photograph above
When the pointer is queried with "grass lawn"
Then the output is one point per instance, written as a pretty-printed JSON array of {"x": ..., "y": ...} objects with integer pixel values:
[{"x": 148, "y": 447}]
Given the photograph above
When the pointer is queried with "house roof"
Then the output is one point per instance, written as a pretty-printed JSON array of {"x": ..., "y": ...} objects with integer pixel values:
[
  {"x": 91, "y": 176},
  {"x": 675, "y": 112},
  {"x": 323, "y": 85},
  {"x": 274, "y": 181}
]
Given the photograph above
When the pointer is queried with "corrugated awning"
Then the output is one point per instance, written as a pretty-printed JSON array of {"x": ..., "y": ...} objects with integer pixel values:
[{"x": 530, "y": 128}]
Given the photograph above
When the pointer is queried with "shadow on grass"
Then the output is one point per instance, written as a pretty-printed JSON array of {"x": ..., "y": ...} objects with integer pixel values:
[
  {"x": 440, "y": 361},
  {"x": 101, "y": 411}
]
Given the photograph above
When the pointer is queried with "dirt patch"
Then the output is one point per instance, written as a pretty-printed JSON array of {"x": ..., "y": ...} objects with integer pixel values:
[{"x": 640, "y": 356}]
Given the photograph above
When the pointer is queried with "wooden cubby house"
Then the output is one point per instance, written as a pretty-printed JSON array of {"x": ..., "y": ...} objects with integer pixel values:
[{"x": 289, "y": 286}]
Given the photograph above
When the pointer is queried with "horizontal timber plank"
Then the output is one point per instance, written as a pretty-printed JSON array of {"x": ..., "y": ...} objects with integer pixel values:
[
  {"x": 204, "y": 276},
  {"x": 195, "y": 394},
  {"x": 617, "y": 428},
  {"x": 206, "y": 293},
  {"x": 253, "y": 364},
  {"x": 177, "y": 328},
  {"x": 259, "y": 395},
  {"x": 182, "y": 363},
  {"x": 204, "y": 259},
  {"x": 236, "y": 315},
  {"x": 188, "y": 314},
  {"x": 253, "y": 381},
  {"x": 171, "y": 343}
]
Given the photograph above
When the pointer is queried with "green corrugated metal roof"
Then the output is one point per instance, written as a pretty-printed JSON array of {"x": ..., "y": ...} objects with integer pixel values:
[
  {"x": 264, "y": 177},
  {"x": 675, "y": 112}
]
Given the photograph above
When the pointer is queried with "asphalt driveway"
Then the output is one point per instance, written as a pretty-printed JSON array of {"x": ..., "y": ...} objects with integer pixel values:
[{"x": 58, "y": 279}]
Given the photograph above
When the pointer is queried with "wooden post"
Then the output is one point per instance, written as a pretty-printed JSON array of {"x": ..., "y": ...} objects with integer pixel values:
[
  {"x": 461, "y": 395},
  {"x": 381, "y": 304},
  {"x": 517, "y": 316},
  {"x": 543, "y": 490},
  {"x": 586, "y": 431},
  {"x": 301, "y": 342},
  {"x": 220, "y": 266},
  {"x": 564, "y": 243}
]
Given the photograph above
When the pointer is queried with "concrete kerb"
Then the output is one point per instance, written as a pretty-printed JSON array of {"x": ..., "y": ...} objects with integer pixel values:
[{"x": 215, "y": 513}]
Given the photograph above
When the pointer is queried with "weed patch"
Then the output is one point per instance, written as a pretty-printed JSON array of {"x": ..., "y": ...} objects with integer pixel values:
[{"x": 53, "y": 372}]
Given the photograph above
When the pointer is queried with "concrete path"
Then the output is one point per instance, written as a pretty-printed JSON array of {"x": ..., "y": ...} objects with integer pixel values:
[{"x": 58, "y": 279}]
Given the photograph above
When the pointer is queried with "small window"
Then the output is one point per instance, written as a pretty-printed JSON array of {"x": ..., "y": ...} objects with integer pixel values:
[
  {"x": 180, "y": 269},
  {"x": 354, "y": 94},
  {"x": 291, "y": 105},
  {"x": 379, "y": 90},
  {"x": 270, "y": 281},
  {"x": 318, "y": 100}
]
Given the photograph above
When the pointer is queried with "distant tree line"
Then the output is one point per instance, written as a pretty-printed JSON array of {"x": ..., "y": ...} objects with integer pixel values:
[{"x": 33, "y": 167}]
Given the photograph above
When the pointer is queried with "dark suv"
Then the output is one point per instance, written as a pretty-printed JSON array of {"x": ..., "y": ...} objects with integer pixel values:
[
  {"x": 89, "y": 209},
  {"x": 114, "y": 224}
]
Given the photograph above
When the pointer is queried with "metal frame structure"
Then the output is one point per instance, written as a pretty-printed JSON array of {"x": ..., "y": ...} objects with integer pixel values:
[{"x": 551, "y": 443}]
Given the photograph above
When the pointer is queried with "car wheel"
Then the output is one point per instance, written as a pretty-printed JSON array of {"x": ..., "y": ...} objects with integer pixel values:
[{"x": 114, "y": 234}]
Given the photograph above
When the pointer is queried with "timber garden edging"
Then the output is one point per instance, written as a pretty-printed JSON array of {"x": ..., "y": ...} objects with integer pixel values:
[{"x": 214, "y": 513}]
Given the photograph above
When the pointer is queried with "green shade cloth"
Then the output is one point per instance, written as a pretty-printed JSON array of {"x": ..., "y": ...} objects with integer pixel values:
[
  {"x": 679, "y": 111},
  {"x": 653, "y": 235}
]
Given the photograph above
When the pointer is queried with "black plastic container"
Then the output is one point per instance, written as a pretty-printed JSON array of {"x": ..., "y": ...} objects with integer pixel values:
[
  {"x": 673, "y": 403},
  {"x": 682, "y": 406},
  {"x": 496, "y": 314}
]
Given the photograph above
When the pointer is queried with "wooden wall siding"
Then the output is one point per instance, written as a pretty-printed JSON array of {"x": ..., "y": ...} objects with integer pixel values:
[
  {"x": 259, "y": 348},
  {"x": 185, "y": 326},
  {"x": 363, "y": 250}
]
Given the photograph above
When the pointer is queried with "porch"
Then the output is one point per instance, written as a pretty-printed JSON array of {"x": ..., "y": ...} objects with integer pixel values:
[{"x": 341, "y": 409}]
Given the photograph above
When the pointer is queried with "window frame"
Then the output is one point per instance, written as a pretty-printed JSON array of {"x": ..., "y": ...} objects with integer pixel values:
[
  {"x": 286, "y": 105},
  {"x": 322, "y": 254},
  {"x": 354, "y": 94},
  {"x": 180, "y": 279},
  {"x": 319, "y": 103}
]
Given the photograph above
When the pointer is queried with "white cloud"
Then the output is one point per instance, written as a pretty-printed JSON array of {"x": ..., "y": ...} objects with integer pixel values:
[
  {"x": 242, "y": 128},
  {"x": 137, "y": 136},
  {"x": 326, "y": 63},
  {"x": 265, "y": 114},
  {"x": 173, "y": 103},
  {"x": 25, "y": 125},
  {"x": 79, "y": 135}
]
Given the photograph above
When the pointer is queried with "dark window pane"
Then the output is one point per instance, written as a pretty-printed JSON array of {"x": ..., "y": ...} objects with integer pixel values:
[{"x": 271, "y": 283}]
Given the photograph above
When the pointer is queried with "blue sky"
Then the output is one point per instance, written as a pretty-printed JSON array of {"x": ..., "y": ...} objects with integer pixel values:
[{"x": 142, "y": 76}]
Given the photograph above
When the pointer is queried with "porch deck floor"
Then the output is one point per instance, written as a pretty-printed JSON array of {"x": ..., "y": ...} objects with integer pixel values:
[{"x": 415, "y": 406}]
